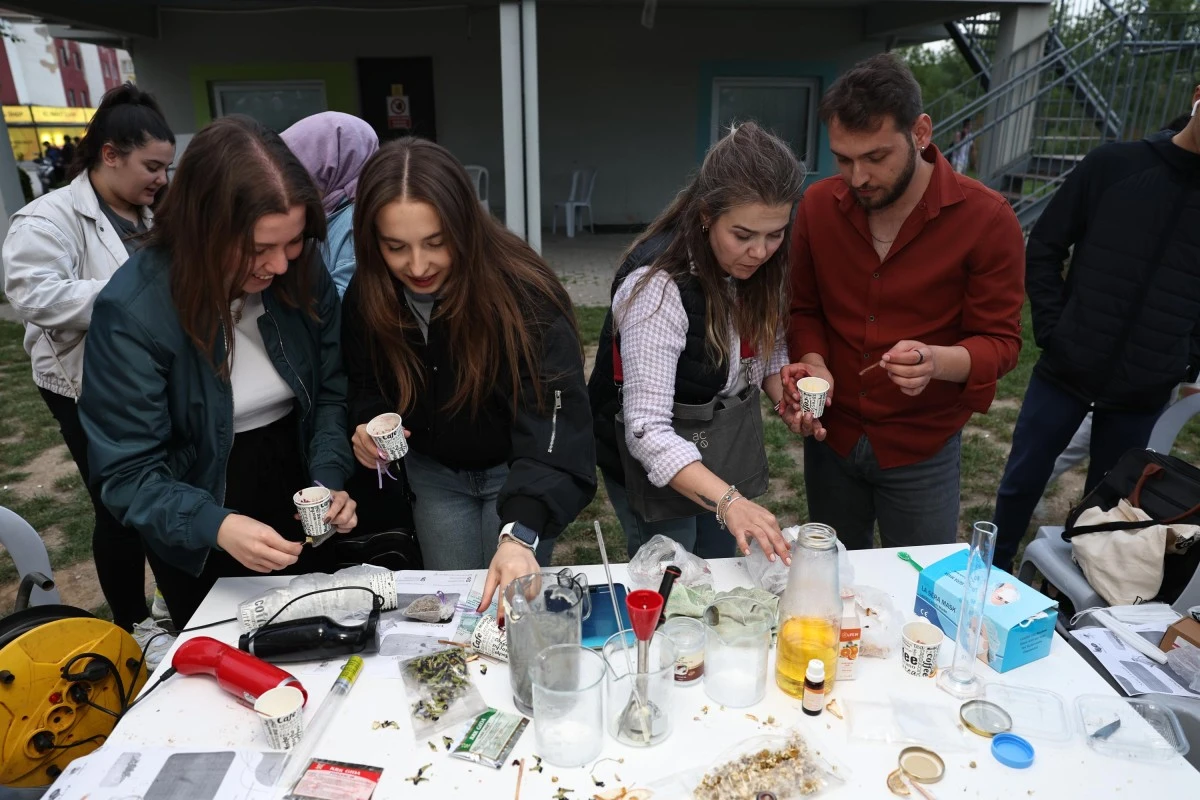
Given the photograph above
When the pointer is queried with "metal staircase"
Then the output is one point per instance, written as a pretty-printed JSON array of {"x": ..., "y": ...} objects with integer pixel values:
[{"x": 1105, "y": 71}]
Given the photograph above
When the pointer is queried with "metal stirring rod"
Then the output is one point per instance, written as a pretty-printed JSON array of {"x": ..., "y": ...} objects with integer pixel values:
[{"x": 612, "y": 593}]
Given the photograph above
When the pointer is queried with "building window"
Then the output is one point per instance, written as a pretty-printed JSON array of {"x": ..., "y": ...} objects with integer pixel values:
[
  {"x": 785, "y": 106},
  {"x": 71, "y": 97},
  {"x": 276, "y": 104},
  {"x": 87, "y": 101},
  {"x": 62, "y": 55},
  {"x": 78, "y": 61}
]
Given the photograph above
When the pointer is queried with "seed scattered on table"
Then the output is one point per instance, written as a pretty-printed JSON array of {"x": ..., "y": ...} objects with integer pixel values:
[{"x": 420, "y": 776}]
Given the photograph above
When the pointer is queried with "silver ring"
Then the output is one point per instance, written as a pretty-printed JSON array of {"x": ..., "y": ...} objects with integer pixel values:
[{"x": 920, "y": 357}]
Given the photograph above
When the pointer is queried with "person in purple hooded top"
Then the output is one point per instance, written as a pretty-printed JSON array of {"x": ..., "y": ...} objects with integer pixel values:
[{"x": 333, "y": 147}]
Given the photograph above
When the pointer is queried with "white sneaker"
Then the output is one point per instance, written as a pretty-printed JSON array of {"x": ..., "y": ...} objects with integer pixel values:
[
  {"x": 159, "y": 609},
  {"x": 154, "y": 640}
]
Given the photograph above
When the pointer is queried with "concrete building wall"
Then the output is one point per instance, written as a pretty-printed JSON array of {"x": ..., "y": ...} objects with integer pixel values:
[
  {"x": 34, "y": 63},
  {"x": 634, "y": 103}
]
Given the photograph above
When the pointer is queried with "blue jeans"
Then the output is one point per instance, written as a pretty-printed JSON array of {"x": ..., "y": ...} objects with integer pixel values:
[
  {"x": 699, "y": 534},
  {"x": 1049, "y": 418},
  {"x": 455, "y": 514},
  {"x": 915, "y": 504}
]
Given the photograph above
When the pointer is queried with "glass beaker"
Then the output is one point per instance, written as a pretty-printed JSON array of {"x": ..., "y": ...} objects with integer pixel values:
[
  {"x": 568, "y": 703},
  {"x": 737, "y": 638},
  {"x": 540, "y": 610},
  {"x": 810, "y": 612},
  {"x": 959, "y": 680},
  {"x": 639, "y": 703}
]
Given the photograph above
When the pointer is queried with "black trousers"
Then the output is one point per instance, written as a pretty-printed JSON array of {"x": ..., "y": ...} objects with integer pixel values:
[
  {"x": 116, "y": 550},
  {"x": 264, "y": 471}
]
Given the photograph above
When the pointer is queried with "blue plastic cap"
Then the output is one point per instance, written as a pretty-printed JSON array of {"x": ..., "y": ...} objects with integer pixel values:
[{"x": 1012, "y": 751}]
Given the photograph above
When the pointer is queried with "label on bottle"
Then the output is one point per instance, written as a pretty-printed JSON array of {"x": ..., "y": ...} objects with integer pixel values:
[
  {"x": 689, "y": 666},
  {"x": 351, "y": 670},
  {"x": 814, "y": 699}
]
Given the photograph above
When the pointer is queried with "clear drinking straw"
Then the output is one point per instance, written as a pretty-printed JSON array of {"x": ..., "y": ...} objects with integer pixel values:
[{"x": 959, "y": 680}]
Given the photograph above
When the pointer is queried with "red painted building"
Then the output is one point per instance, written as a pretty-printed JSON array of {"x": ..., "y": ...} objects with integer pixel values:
[{"x": 70, "y": 65}]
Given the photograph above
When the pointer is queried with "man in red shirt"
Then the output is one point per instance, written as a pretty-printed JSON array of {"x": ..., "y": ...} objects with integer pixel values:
[{"x": 907, "y": 285}]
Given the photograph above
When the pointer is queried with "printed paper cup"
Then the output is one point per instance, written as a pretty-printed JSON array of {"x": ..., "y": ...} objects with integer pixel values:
[
  {"x": 813, "y": 391},
  {"x": 313, "y": 504},
  {"x": 282, "y": 713},
  {"x": 919, "y": 653},
  {"x": 388, "y": 432}
]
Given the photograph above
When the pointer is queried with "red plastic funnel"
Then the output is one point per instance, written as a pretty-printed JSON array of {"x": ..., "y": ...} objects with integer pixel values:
[{"x": 645, "y": 606}]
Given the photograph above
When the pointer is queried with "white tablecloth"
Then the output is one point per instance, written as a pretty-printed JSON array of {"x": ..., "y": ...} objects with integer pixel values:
[{"x": 193, "y": 712}]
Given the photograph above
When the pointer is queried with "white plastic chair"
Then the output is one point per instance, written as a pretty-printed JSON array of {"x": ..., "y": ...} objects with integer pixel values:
[
  {"x": 482, "y": 183},
  {"x": 583, "y": 183},
  {"x": 1051, "y": 556},
  {"x": 28, "y": 553}
]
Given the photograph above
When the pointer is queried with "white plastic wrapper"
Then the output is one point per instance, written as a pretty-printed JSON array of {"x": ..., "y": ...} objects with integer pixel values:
[
  {"x": 646, "y": 567},
  {"x": 1184, "y": 660}
]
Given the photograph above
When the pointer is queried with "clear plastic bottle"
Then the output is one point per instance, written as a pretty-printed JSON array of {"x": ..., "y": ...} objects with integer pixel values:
[
  {"x": 811, "y": 610},
  {"x": 344, "y": 607}
]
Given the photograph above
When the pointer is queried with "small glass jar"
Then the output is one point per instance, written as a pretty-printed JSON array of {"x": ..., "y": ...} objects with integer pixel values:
[{"x": 688, "y": 636}]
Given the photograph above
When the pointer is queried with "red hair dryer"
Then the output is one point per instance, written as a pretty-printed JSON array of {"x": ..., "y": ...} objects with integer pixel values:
[{"x": 244, "y": 676}]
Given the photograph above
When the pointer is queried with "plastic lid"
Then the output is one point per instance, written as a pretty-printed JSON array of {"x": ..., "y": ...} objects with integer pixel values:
[
  {"x": 984, "y": 718},
  {"x": 1012, "y": 751},
  {"x": 1136, "y": 728},
  {"x": 1034, "y": 713},
  {"x": 815, "y": 672}
]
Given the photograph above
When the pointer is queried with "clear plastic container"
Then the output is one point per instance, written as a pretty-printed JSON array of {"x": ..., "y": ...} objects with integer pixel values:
[
  {"x": 688, "y": 635},
  {"x": 1136, "y": 728},
  {"x": 1035, "y": 713}
]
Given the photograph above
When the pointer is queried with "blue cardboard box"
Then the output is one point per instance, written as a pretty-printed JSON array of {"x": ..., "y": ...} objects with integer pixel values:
[{"x": 1019, "y": 621}]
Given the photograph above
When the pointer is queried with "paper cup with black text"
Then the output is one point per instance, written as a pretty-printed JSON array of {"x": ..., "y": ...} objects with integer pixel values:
[
  {"x": 387, "y": 430},
  {"x": 313, "y": 504},
  {"x": 919, "y": 651},
  {"x": 282, "y": 713},
  {"x": 813, "y": 391}
]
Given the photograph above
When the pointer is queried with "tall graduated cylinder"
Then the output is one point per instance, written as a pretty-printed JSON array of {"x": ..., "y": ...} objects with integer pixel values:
[{"x": 811, "y": 610}]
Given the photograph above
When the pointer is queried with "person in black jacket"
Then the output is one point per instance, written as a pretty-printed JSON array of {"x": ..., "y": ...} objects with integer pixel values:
[
  {"x": 457, "y": 325},
  {"x": 1119, "y": 331}
]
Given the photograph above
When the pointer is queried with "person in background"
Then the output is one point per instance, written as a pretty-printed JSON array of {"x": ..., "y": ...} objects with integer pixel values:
[
  {"x": 457, "y": 325},
  {"x": 907, "y": 286},
  {"x": 212, "y": 387},
  {"x": 67, "y": 154},
  {"x": 61, "y": 250},
  {"x": 1121, "y": 329},
  {"x": 334, "y": 147},
  {"x": 964, "y": 146},
  {"x": 698, "y": 312}
]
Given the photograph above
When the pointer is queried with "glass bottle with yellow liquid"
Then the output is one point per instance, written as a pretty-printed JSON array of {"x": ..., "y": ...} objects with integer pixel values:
[{"x": 811, "y": 610}]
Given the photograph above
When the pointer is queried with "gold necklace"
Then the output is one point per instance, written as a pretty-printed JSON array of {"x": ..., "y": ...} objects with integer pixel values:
[{"x": 237, "y": 313}]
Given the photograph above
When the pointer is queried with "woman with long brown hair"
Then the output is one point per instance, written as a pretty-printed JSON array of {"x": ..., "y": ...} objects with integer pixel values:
[
  {"x": 457, "y": 325},
  {"x": 699, "y": 312},
  {"x": 213, "y": 387}
]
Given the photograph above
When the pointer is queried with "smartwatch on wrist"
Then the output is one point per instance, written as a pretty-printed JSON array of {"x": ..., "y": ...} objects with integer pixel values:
[{"x": 521, "y": 534}]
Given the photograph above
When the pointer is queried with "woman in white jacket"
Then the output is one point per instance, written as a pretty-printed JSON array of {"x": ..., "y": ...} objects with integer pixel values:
[{"x": 59, "y": 253}]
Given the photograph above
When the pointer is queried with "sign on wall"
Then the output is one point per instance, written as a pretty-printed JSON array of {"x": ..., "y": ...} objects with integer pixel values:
[{"x": 398, "y": 113}]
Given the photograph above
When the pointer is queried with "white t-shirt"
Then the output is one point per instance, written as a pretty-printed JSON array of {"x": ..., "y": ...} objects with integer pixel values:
[{"x": 260, "y": 395}]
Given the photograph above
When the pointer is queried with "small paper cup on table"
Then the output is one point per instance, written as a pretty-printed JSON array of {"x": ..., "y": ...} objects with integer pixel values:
[
  {"x": 813, "y": 392},
  {"x": 282, "y": 713},
  {"x": 919, "y": 651},
  {"x": 312, "y": 504},
  {"x": 387, "y": 431}
]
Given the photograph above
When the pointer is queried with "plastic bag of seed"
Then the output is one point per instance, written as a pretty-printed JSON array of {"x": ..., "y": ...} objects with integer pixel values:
[
  {"x": 442, "y": 691},
  {"x": 431, "y": 608}
]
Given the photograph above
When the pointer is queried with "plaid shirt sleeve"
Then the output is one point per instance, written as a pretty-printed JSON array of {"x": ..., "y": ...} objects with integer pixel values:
[{"x": 653, "y": 329}]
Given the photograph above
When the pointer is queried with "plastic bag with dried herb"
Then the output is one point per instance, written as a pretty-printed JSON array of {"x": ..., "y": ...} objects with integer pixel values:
[
  {"x": 442, "y": 690},
  {"x": 786, "y": 766},
  {"x": 431, "y": 608}
]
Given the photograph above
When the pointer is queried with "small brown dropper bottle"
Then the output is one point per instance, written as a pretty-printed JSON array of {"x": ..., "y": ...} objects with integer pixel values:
[{"x": 814, "y": 687}]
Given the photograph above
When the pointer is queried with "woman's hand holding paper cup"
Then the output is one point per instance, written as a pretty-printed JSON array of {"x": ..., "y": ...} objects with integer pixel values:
[
  {"x": 343, "y": 512},
  {"x": 366, "y": 451},
  {"x": 802, "y": 404}
]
